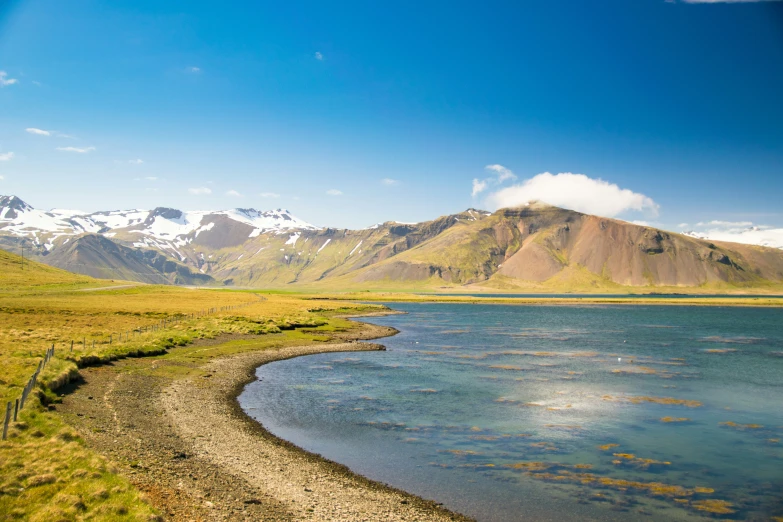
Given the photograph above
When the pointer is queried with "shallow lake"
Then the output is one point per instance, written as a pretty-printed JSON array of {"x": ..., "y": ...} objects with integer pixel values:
[{"x": 552, "y": 412}]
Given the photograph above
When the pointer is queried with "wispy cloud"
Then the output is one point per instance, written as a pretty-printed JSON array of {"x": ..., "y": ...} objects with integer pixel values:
[
  {"x": 389, "y": 181},
  {"x": 4, "y": 80},
  {"x": 319, "y": 56},
  {"x": 271, "y": 195},
  {"x": 334, "y": 192},
  {"x": 233, "y": 194},
  {"x": 76, "y": 149},
  {"x": 1, "y": 178},
  {"x": 500, "y": 174},
  {"x": 193, "y": 70},
  {"x": 151, "y": 178},
  {"x": 479, "y": 186},
  {"x": 200, "y": 191},
  {"x": 136, "y": 161},
  {"x": 37, "y": 84},
  {"x": 42, "y": 132},
  {"x": 504, "y": 174},
  {"x": 6, "y": 156},
  {"x": 576, "y": 192}
]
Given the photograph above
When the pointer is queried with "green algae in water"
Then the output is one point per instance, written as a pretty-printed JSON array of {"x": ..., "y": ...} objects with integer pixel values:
[{"x": 669, "y": 422}]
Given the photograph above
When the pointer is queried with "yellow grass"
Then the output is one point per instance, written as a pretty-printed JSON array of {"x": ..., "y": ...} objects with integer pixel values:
[{"x": 46, "y": 471}]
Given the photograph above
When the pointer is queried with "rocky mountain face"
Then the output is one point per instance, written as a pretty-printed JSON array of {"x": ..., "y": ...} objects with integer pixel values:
[{"x": 536, "y": 247}]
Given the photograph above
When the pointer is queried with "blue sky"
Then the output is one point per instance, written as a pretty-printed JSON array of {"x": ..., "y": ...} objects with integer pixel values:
[{"x": 399, "y": 107}]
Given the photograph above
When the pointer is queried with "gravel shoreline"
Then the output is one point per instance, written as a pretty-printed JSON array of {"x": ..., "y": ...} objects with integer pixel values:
[{"x": 189, "y": 446}]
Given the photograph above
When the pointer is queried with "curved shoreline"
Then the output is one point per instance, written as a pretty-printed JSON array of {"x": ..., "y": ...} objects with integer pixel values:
[{"x": 309, "y": 486}]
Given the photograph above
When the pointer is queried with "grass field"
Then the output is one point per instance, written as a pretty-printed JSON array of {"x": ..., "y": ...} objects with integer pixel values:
[{"x": 46, "y": 471}]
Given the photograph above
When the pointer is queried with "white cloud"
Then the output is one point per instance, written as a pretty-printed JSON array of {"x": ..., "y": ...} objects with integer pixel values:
[
  {"x": 151, "y": 178},
  {"x": 39, "y": 132},
  {"x": 1, "y": 178},
  {"x": 76, "y": 149},
  {"x": 682, "y": 225},
  {"x": 194, "y": 70},
  {"x": 389, "y": 181},
  {"x": 6, "y": 81},
  {"x": 504, "y": 174},
  {"x": 136, "y": 161},
  {"x": 200, "y": 191},
  {"x": 334, "y": 192},
  {"x": 738, "y": 232},
  {"x": 272, "y": 195},
  {"x": 500, "y": 173},
  {"x": 6, "y": 156},
  {"x": 37, "y": 84},
  {"x": 233, "y": 193},
  {"x": 319, "y": 56},
  {"x": 725, "y": 224},
  {"x": 479, "y": 186},
  {"x": 66, "y": 136},
  {"x": 575, "y": 192}
]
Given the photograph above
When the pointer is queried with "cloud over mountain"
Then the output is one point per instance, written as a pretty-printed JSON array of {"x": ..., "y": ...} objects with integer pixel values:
[{"x": 575, "y": 192}]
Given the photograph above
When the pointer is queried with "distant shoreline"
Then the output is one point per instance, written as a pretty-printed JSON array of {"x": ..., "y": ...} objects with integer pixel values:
[{"x": 386, "y": 297}]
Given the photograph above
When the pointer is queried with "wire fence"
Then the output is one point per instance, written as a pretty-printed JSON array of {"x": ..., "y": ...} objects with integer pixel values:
[{"x": 14, "y": 407}]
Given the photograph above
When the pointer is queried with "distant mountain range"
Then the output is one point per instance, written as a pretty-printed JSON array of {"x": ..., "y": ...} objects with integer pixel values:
[{"x": 537, "y": 248}]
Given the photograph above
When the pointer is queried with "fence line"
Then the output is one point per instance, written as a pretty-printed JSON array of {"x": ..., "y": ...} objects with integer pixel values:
[{"x": 12, "y": 408}]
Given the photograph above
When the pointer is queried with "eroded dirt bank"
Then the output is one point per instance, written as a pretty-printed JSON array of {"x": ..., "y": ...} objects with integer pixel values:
[{"x": 197, "y": 456}]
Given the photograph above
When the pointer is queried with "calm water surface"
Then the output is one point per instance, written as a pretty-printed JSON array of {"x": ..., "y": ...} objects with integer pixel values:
[{"x": 552, "y": 413}]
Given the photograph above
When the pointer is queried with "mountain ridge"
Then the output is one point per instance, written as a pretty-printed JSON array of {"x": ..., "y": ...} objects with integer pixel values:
[{"x": 537, "y": 246}]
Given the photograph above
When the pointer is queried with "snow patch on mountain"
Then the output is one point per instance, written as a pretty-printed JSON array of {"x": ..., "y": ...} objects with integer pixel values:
[
  {"x": 165, "y": 225},
  {"x": 324, "y": 245},
  {"x": 745, "y": 233}
]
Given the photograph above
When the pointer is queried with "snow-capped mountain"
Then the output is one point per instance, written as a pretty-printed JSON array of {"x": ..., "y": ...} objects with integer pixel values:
[
  {"x": 159, "y": 228},
  {"x": 749, "y": 235}
]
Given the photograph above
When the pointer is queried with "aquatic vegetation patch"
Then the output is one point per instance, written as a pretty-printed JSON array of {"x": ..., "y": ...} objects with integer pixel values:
[
  {"x": 638, "y": 462},
  {"x": 483, "y": 437},
  {"x": 742, "y": 427},
  {"x": 607, "y": 447},
  {"x": 461, "y": 452},
  {"x": 717, "y": 507},
  {"x": 424, "y": 390},
  {"x": 506, "y": 367},
  {"x": 732, "y": 340},
  {"x": 636, "y": 370},
  {"x": 719, "y": 350},
  {"x": 544, "y": 446},
  {"x": 574, "y": 427},
  {"x": 665, "y": 400},
  {"x": 675, "y": 419}
]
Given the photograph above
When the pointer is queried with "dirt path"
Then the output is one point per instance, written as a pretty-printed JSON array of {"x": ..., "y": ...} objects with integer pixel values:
[{"x": 197, "y": 456}]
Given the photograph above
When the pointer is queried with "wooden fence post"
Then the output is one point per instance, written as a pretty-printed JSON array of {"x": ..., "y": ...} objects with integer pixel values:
[
  {"x": 16, "y": 409},
  {"x": 7, "y": 420}
]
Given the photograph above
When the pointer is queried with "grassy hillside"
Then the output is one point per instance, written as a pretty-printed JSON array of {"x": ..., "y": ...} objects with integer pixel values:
[
  {"x": 16, "y": 272},
  {"x": 46, "y": 470}
]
